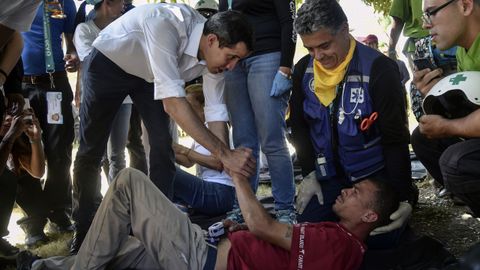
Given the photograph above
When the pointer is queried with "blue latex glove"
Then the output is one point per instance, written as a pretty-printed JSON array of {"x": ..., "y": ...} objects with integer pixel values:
[{"x": 281, "y": 84}]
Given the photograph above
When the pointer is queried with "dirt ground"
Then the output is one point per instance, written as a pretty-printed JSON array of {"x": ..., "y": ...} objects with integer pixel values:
[{"x": 444, "y": 221}]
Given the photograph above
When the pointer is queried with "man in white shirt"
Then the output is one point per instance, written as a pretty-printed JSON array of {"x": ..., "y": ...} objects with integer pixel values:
[{"x": 154, "y": 49}]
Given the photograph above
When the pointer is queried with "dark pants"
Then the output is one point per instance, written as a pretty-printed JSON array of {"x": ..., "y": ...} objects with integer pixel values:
[
  {"x": 8, "y": 187},
  {"x": 429, "y": 151},
  {"x": 57, "y": 140},
  {"x": 454, "y": 163},
  {"x": 461, "y": 172},
  {"x": 138, "y": 159},
  {"x": 27, "y": 191},
  {"x": 105, "y": 87}
]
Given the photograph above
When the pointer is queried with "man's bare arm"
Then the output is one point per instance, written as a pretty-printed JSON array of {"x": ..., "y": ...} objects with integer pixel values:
[
  {"x": 5, "y": 35},
  {"x": 10, "y": 54},
  {"x": 394, "y": 35},
  {"x": 258, "y": 221},
  {"x": 220, "y": 129},
  {"x": 237, "y": 161},
  {"x": 467, "y": 127}
]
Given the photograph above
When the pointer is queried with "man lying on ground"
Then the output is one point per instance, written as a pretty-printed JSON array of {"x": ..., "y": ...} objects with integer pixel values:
[{"x": 164, "y": 238}]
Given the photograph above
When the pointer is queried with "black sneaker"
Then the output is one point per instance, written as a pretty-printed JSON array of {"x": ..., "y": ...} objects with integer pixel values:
[
  {"x": 25, "y": 260},
  {"x": 7, "y": 250}
]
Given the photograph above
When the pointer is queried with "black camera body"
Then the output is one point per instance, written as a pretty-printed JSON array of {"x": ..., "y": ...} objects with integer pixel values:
[{"x": 427, "y": 55}]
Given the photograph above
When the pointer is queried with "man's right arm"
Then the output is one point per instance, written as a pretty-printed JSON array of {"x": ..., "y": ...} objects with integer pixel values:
[
  {"x": 258, "y": 221},
  {"x": 394, "y": 35},
  {"x": 236, "y": 161},
  {"x": 10, "y": 54}
]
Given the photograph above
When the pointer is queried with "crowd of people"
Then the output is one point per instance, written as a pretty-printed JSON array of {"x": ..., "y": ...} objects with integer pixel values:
[{"x": 224, "y": 73}]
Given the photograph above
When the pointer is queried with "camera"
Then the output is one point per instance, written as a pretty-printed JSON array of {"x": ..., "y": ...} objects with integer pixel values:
[
  {"x": 26, "y": 108},
  {"x": 427, "y": 55}
]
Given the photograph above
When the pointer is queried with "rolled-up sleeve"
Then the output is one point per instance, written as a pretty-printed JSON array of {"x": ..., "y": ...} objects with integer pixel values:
[
  {"x": 162, "y": 54},
  {"x": 213, "y": 90},
  {"x": 83, "y": 41}
]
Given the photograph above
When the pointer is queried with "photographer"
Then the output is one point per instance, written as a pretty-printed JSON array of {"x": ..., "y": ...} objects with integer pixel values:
[
  {"x": 450, "y": 148},
  {"x": 22, "y": 162}
]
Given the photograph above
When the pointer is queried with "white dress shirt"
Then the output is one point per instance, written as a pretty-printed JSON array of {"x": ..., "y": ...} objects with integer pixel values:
[
  {"x": 83, "y": 38},
  {"x": 18, "y": 14},
  {"x": 159, "y": 43}
]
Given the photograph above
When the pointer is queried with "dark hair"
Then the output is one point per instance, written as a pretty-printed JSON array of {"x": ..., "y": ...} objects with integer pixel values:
[
  {"x": 197, "y": 91},
  {"x": 98, "y": 5},
  {"x": 314, "y": 15},
  {"x": 384, "y": 202},
  {"x": 231, "y": 27},
  {"x": 81, "y": 15}
]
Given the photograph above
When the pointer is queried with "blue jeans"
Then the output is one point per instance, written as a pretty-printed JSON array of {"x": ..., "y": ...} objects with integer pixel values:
[
  {"x": 106, "y": 85},
  {"x": 117, "y": 141},
  {"x": 208, "y": 198},
  {"x": 259, "y": 120}
]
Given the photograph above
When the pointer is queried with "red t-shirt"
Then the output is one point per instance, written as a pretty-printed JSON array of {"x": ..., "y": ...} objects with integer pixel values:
[{"x": 324, "y": 245}]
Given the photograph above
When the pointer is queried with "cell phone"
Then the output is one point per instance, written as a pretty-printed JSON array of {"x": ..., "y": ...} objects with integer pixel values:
[
  {"x": 423, "y": 63},
  {"x": 27, "y": 104},
  {"x": 28, "y": 119}
]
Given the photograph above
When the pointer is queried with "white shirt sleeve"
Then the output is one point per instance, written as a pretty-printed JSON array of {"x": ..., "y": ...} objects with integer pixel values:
[
  {"x": 213, "y": 90},
  {"x": 18, "y": 15},
  {"x": 163, "y": 41},
  {"x": 83, "y": 39}
]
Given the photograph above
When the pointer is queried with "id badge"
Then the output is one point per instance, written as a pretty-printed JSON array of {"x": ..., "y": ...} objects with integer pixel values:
[{"x": 54, "y": 114}]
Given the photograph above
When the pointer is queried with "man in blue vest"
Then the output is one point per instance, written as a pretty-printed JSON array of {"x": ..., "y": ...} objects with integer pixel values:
[{"x": 348, "y": 100}]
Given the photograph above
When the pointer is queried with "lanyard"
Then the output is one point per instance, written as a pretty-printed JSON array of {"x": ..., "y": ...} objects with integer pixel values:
[
  {"x": 49, "y": 64},
  {"x": 230, "y": 4}
]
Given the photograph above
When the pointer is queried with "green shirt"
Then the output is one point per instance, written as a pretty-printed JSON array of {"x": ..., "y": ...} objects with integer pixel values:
[
  {"x": 410, "y": 12},
  {"x": 469, "y": 60}
]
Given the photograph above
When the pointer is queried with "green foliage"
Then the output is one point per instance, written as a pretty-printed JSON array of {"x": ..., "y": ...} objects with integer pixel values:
[{"x": 380, "y": 6}]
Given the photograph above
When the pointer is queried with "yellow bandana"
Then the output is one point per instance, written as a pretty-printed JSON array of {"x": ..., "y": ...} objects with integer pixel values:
[{"x": 326, "y": 80}]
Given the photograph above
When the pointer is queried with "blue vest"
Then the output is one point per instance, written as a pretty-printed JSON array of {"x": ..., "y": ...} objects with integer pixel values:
[{"x": 359, "y": 153}]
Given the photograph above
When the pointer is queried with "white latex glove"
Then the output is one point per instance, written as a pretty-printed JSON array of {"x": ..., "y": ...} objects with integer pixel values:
[
  {"x": 398, "y": 218},
  {"x": 307, "y": 189}
]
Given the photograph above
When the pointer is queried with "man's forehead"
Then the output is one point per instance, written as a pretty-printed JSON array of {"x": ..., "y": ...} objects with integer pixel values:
[
  {"x": 365, "y": 186},
  {"x": 431, "y": 3},
  {"x": 317, "y": 38}
]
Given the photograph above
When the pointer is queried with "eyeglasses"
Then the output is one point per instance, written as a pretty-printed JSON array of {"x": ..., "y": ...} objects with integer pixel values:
[{"x": 427, "y": 15}]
